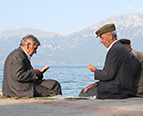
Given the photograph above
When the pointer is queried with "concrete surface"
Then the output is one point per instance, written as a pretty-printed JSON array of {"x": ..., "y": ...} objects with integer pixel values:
[{"x": 96, "y": 107}]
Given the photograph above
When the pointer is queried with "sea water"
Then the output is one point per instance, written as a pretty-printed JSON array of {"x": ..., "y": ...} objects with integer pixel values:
[{"x": 72, "y": 78}]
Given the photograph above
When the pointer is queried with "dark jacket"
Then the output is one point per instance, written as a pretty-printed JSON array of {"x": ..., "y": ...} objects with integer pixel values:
[
  {"x": 19, "y": 76},
  {"x": 116, "y": 78}
]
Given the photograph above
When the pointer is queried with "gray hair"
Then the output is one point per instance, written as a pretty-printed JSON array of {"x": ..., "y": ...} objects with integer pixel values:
[
  {"x": 29, "y": 38},
  {"x": 114, "y": 34}
]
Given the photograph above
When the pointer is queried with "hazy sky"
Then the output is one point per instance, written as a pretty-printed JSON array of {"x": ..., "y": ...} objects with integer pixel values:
[{"x": 62, "y": 16}]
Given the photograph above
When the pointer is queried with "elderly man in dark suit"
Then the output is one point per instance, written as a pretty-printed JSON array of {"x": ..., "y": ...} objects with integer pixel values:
[
  {"x": 20, "y": 79},
  {"x": 137, "y": 58},
  {"x": 116, "y": 78}
]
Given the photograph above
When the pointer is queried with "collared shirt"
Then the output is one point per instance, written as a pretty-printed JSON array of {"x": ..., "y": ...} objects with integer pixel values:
[
  {"x": 111, "y": 45},
  {"x": 27, "y": 54}
]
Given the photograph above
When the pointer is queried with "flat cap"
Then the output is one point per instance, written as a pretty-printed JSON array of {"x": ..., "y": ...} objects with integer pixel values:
[
  {"x": 106, "y": 28},
  {"x": 125, "y": 41}
]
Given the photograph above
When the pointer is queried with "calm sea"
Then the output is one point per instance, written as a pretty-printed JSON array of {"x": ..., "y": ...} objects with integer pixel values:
[{"x": 72, "y": 78}]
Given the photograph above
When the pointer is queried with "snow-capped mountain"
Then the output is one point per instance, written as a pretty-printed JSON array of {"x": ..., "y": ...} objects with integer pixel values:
[{"x": 80, "y": 47}]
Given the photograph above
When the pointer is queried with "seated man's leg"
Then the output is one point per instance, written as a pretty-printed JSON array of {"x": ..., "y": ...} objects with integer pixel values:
[
  {"x": 53, "y": 86},
  {"x": 90, "y": 92},
  {"x": 40, "y": 91},
  {"x": 48, "y": 87}
]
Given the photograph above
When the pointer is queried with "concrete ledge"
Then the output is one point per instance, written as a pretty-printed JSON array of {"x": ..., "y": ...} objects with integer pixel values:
[{"x": 97, "y": 107}]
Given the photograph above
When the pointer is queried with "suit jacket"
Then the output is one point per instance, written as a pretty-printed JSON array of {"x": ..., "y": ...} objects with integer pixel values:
[
  {"x": 138, "y": 72},
  {"x": 19, "y": 76},
  {"x": 116, "y": 78}
]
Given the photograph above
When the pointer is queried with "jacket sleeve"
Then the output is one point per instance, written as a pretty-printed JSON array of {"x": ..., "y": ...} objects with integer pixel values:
[
  {"x": 136, "y": 65},
  {"x": 21, "y": 69}
]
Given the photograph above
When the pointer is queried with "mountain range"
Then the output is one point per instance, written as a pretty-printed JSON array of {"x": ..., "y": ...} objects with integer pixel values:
[{"x": 80, "y": 47}]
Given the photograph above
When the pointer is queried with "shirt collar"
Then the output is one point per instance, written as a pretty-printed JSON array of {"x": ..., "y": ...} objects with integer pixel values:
[
  {"x": 26, "y": 54},
  {"x": 111, "y": 45}
]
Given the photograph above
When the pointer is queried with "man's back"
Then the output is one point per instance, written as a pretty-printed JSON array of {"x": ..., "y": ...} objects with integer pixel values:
[
  {"x": 138, "y": 79},
  {"x": 15, "y": 75}
]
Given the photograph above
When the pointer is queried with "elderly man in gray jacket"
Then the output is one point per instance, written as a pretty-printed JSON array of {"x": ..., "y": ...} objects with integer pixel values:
[
  {"x": 20, "y": 79},
  {"x": 116, "y": 78}
]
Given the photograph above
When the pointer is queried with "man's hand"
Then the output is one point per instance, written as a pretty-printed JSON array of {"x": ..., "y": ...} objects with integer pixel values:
[
  {"x": 90, "y": 87},
  {"x": 44, "y": 69},
  {"x": 38, "y": 72},
  {"x": 91, "y": 68}
]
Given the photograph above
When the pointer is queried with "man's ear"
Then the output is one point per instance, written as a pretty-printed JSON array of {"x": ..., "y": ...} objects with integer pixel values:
[
  {"x": 130, "y": 47},
  {"x": 111, "y": 36},
  {"x": 28, "y": 45}
]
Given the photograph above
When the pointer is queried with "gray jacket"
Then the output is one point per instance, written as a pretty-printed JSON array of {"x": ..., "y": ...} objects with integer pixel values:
[
  {"x": 19, "y": 76},
  {"x": 137, "y": 57}
]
